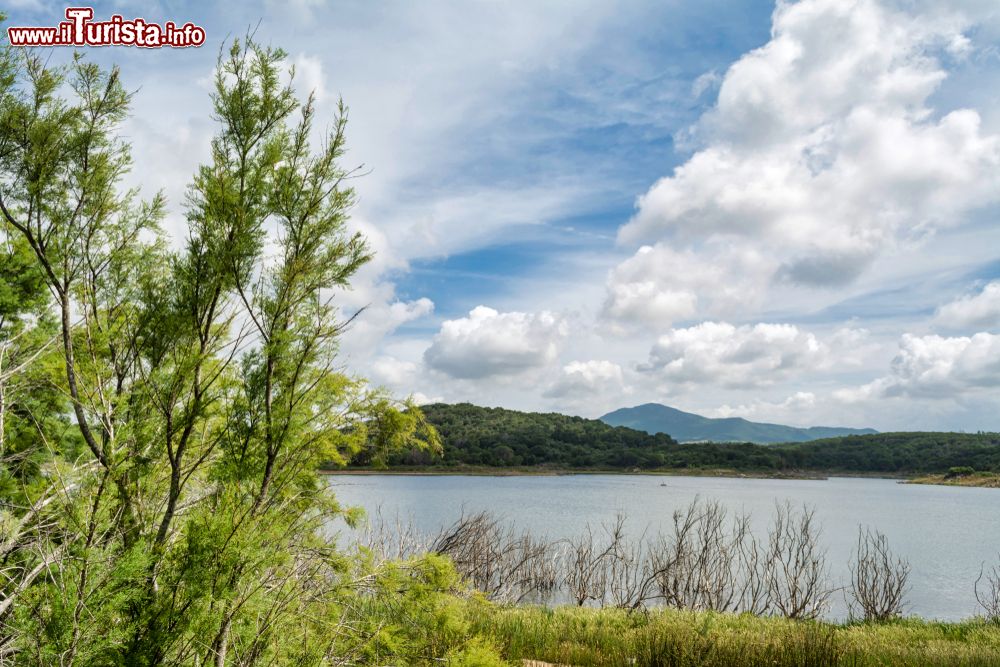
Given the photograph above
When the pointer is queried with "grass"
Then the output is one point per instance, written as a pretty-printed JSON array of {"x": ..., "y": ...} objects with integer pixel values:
[
  {"x": 990, "y": 480},
  {"x": 573, "y": 636}
]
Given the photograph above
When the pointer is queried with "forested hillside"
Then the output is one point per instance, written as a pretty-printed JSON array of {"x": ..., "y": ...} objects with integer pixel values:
[
  {"x": 897, "y": 452},
  {"x": 495, "y": 437},
  {"x": 473, "y": 435}
]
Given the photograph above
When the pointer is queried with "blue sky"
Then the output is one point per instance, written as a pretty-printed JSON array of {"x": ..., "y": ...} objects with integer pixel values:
[{"x": 784, "y": 212}]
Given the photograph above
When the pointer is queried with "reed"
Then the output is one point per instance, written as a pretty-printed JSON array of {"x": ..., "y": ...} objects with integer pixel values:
[{"x": 671, "y": 637}]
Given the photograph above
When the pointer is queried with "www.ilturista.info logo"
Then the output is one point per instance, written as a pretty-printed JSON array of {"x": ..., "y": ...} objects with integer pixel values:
[{"x": 80, "y": 30}]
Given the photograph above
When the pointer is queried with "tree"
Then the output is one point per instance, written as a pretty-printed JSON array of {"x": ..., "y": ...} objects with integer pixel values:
[
  {"x": 203, "y": 384},
  {"x": 879, "y": 579}
]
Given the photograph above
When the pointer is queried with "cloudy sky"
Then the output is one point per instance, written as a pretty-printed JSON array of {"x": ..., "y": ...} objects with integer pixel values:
[{"x": 784, "y": 212}]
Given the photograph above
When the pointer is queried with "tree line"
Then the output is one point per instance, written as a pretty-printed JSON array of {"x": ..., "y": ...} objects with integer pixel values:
[
  {"x": 473, "y": 435},
  {"x": 496, "y": 437}
]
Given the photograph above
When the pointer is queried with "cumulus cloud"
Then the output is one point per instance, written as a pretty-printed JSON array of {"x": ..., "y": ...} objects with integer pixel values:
[
  {"x": 980, "y": 310},
  {"x": 583, "y": 378},
  {"x": 490, "y": 343},
  {"x": 659, "y": 286},
  {"x": 721, "y": 354},
  {"x": 821, "y": 153},
  {"x": 935, "y": 367}
]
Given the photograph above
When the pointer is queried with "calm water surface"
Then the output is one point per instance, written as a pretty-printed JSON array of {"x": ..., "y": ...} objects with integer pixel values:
[{"x": 945, "y": 532}]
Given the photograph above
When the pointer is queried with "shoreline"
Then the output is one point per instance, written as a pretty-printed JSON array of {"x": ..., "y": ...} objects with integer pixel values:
[
  {"x": 971, "y": 481},
  {"x": 486, "y": 471}
]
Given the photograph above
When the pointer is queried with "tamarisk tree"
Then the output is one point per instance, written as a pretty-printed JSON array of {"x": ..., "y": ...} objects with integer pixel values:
[{"x": 183, "y": 521}]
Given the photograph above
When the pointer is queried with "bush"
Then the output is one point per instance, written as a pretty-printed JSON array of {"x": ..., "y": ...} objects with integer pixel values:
[{"x": 477, "y": 653}]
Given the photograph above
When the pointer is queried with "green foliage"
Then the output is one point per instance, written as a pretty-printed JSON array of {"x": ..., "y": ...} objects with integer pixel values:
[
  {"x": 496, "y": 437},
  {"x": 477, "y": 653},
  {"x": 22, "y": 285},
  {"x": 959, "y": 471},
  {"x": 31, "y": 407},
  {"x": 165, "y": 411},
  {"x": 395, "y": 431},
  {"x": 896, "y": 452},
  {"x": 599, "y": 637},
  {"x": 164, "y": 414}
]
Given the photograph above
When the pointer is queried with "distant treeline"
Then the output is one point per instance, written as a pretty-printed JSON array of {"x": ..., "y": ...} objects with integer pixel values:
[
  {"x": 495, "y": 437},
  {"x": 472, "y": 435}
]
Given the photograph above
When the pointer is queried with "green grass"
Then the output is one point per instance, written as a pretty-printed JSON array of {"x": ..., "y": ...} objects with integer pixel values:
[{"x": 582, "y": 637}]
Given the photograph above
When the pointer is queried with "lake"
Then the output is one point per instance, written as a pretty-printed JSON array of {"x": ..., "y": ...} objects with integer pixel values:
[{"x": 946, "y": 533}]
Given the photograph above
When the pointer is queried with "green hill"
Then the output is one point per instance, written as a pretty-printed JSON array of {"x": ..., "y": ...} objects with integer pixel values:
[
  {"x": 688, "y": 427},
  {"x": 495, "y": 437},
  {"x": 472, "y": 435},
  {"x": 906, "y": 452}
]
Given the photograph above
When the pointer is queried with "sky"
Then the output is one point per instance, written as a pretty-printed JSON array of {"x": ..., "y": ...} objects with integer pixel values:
[{"x": 785, "y": 212}]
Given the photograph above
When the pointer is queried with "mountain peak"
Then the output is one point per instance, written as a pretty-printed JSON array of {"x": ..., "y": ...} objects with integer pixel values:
[{"x": 690, "y": 427}]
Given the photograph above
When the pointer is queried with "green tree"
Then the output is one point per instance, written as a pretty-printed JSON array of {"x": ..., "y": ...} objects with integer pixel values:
[{"x": 190, "y": 526}]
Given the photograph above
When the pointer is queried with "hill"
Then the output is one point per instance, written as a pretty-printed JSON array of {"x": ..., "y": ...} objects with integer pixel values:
[
  {"x": 906, "y": 452},
  {"x": 495, "y": 437},
  {"x": 688, "y": 427},
  {"x": 472, "y": 435}
]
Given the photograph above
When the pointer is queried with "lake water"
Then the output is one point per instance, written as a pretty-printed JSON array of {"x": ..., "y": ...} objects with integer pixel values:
[{"x": 946, "y": 533}]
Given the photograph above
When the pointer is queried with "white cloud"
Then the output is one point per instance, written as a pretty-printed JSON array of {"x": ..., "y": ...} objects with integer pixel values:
[
  {"x": 821, "y": 154},
  {"x": 441, "y": 120},
  {"x": 405, "y": 311},
  {"x": 381, "y": 316},
  {"x": 717, "y": 353},
  {"x": 423, "y": 399},
  {"x": 394, "y": 372},
  {"x": 582, "y": 378},
  {"x": 489, "y": 343},
  {"x": 935, "y": 367},
  {"x": 794, "y": 409},
  {"x": 980, "y": 310},
  {"x": 441, "y": 224},
  {"x": 659, "y": 286},
  {"x": 705, "y": 82},
  {"x": 828, "y": 151},
  {"x": 309, "y": 77}
]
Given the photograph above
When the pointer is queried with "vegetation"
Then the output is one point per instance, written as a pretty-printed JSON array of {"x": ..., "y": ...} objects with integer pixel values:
[
  {"x": 575, "y": 636},
  {"x": 897, "y": 453},
  {"x": 708, "y": 560},
  {"x": 986, "y": 480},
  {"x": 878, "y": 579},
  {"x": 472, "y": 435},
  {"x": 705, "y": 569},
  {"x": 163, "y": 411},
  {"x": 494, "y": 437}
]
